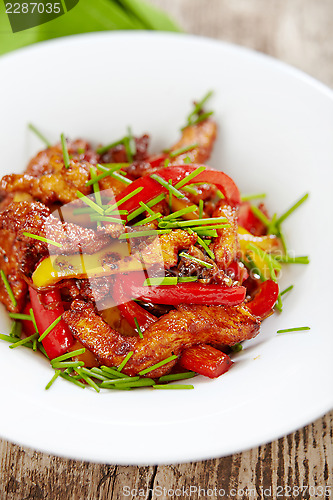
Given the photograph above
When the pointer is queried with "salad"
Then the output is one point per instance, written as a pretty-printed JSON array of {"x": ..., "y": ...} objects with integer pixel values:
[{"x": 128, "y": 269}]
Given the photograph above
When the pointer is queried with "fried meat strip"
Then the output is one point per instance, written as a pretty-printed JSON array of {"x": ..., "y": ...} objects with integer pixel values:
[
  {"x": 172, "y": 334},
  {"x": 35, "y": 218},
  {"x": 48, "y": 180},
  {"x": 165, "y": 248},
  {"x": 204, "y": 134},
  {"x": 226, "y": 246},
  {"x": 10, "y": 257}
]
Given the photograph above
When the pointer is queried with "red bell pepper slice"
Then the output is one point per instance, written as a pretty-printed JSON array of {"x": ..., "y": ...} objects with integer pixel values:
[
  {"x": 130, "y": 309},
  {"x": 60, "y": 337},
  {"x": 205, "y": 360},
  {"x": 265, "y": 299},
  {"x": 183, "y": 293},
  {"x": 249, "y": 221},
  {"x": 152, "y": 188},
  {"x": 28, "y": 326}
]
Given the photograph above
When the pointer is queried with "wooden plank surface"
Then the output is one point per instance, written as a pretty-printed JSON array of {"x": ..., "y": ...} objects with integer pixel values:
[{"x": 300, "y": 33}]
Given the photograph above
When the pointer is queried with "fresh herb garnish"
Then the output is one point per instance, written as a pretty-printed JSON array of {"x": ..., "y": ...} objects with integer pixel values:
[
  {"x": 292, "y": 209},
  {"x": 138, "y": 328},
  {"x": 53, "y": 379},
  {"x": 41, "y": 238},
  {"x": 167, "y": 185},
  {"x": 39, "y": 134},
  {"x": 123, "y": 363},
  {"x": 89, "y": 202},
  {"x": 298, "y": 329},
  {"x": 197, "y": 114},
  {"x": 173, "y": 386},
  {"x": 49, "y": 328},
  {"x": 189, "y": 177},
  {"x": 8, "y": 288},
  {"x": 168, "y": 280},
  {"x": 158, "y": 365},
  {"x": 65, "y": 151},
  {"x": 198, "y": 261},
  {"x": 180, "y": 151}
]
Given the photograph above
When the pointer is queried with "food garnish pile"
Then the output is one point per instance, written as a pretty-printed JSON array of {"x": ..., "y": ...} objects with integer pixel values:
[{"x": 128, "y": 269}]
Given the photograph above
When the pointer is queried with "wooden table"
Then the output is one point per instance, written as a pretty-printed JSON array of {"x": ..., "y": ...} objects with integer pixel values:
[{"x": 300, "y": 33}]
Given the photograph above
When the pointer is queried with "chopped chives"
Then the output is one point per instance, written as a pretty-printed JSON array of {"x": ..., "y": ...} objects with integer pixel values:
[
  {"x": 16, "y": 329},
  {"x": 88, "y": 380},
  {"x": 72, "y": 379},
  {"x": 89, "y": 202},
  {"x": 81, "y": 151},
  {"x": 236, "y": 347},
  {"x": 201, "y": 118},
  {"x": 173, "y": 386},
  {"x": 68, "y": 355},
  {"x": 123, "y": 199},
  {"x": 33, "y": 319},
  {"x": 123, "y": 363},
  {"x": 260, "y": 215},
  {"x": 147, "y": 208},
  {"x": 34, "y": 345},
  {"x": 24, "y": 341},
  {"x": 120, "y": 178},
  {"x": 291, "y": 209},
  {"x": 158, "y": 365},
  {"x": 68, "y": 364},
  {"x": 282, "y": 238},
  {"x": 8, "y": 338},
  {"x": 41, "y": 238},
  {"x": 176, "y": 376},
  {"x": 148, "y": 219},
  {"x": 151, "y": 203},
  {"x": 195, "y": 222},
  {"x": 187, "y": 279},
  {"x": 168, "y": 186},
  {"x": 113, "y": 371},
  {"x": 168, "y": 280},
  {"x": 170, "y": 195},
  {"x": 298, "y": 329},
  {"x": 140, "y": 234},
  {"x": 94, "y": 374},
  {"x": 119, "y": 381},
  {"x": 144, "y": 382},
  {"x": 49, "y": 328},
  {"x": 214, "y": 226},
  {"x": 24, "y": 317},
  {"x": 206, "y": 247},
  {"x": 197, "y": 109},
  {"x": 249, "y": 197},
  {"x": 65, "y": 150},
  {"x": 39, "y": 134},
  {"x": 190, "y": 189},
  {"x": 179, "y": 151},
  {"x": 199, "y": 261},
  {"x": 55, "y": 376},
  {"x": 138, "y": 328},
  {"x": 292, "y": 260},
  {"x": 211, "y": 233},
  {"x": 8, "y": 288},
  {"x": 42, "y": 350},
  {"x": 189, "y": 177},
  {"x": 107, "y": 218},
  {"x": 107, "y": 171},
  {"x": 267, "y": 258},
  {"x": 95, "y": 186},
  {"x": 166, "y": 162},
  {"x": 201, "y": 204},
  {"x": 104, "y": 149},
  {"x": 88, "y": 210},
  {"x": 278, "y": 305},
  {"x": 180, "y": 213},
  {"x": 287, "y": 290},
  {"x": 271, "y": 229}
]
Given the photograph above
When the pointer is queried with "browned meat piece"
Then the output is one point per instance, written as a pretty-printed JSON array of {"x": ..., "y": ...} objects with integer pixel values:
[
  {"x": 203, "y": 192},
  {"x": 226, "y": 246},
  {"x": 47, "y": 179},
  {"x": 44, "y": 162},
  {"x": 118, "y": 153},
  {"x": 204, "y": 134},
  {"x": 165, "y": 248},
  {"x": 172, "y": 334},
  {"x": 213, "y": 274},
  {"x": 140, "y": 169},
  {"x": 35, "y": 218},
  {"x": 10, "y": 253}
]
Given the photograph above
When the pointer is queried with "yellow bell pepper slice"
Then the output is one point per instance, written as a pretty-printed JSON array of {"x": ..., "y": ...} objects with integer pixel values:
[{"x": 111, "y": 260}]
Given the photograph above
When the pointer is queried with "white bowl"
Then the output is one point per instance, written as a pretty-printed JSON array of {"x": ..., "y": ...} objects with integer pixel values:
[{"x": 275, "y": 136}]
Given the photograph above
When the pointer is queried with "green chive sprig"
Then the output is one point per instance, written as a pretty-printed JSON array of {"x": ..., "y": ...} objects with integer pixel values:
[{"x": 8, "y": 288}]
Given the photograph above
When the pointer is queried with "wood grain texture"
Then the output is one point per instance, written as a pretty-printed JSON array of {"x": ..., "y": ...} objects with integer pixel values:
[{"x": 300, "y": 33}]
